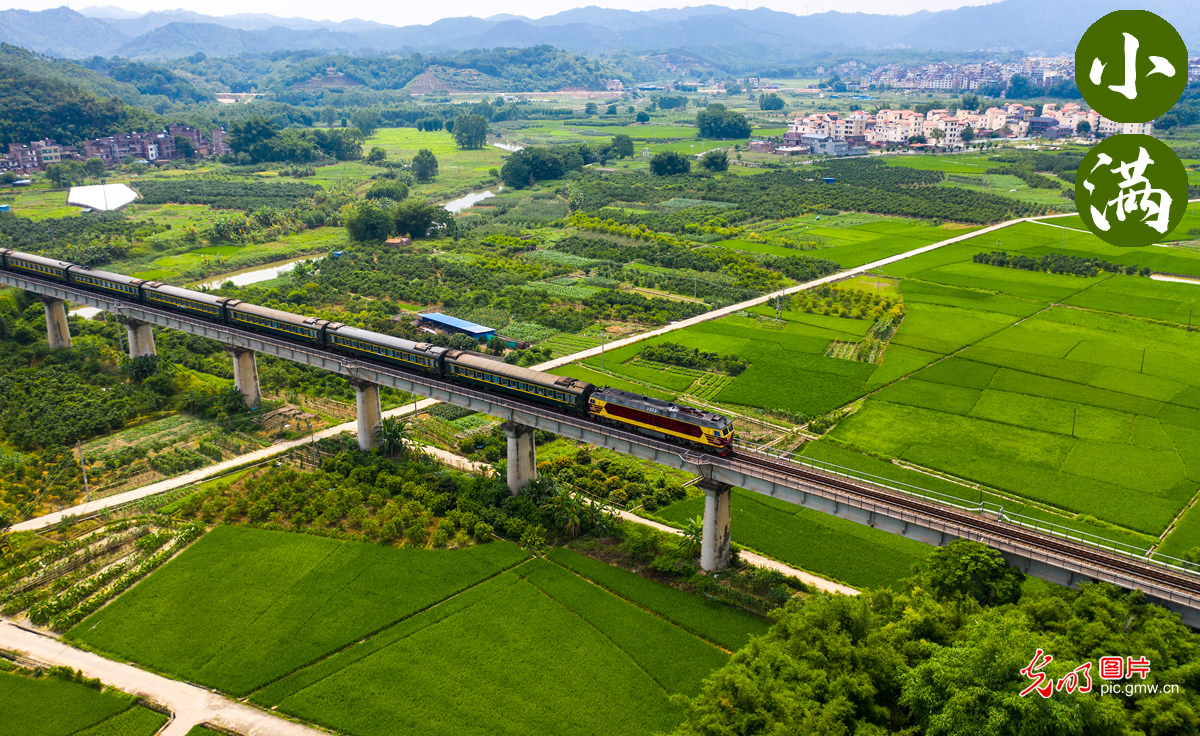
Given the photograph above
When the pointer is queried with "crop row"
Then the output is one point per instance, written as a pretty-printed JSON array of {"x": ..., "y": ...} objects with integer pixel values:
[{"x": 728, "y": 627}]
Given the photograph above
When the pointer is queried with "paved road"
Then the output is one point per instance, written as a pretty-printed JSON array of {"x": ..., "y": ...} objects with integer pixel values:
[
  {"x": 734, "y": 308},
  {"x": 220, "y": 468},
  {"x": 190, "y": 704}
]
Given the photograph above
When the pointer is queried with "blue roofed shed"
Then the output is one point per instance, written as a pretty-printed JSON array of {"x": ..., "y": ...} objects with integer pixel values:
[{"x": 446, "y": 323}]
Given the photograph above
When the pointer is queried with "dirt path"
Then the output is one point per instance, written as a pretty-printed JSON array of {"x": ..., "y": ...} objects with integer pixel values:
[
  {"x": 189, "y": 704},
  {"x": 196, "y": 476},
  {"x": 756, "y": 559}
]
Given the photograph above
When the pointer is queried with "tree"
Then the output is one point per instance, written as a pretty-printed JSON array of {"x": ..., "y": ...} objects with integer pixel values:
[
  {"x": 450, "y": 126},
  {"x": 612, "y": 110},
  {"x": 622, "y": 145},
  {"x": 93, "y": 168},
  {"x": 1083, "y": 128},
  {"x": 1019, "y": 87},
  {"x": 770, "y": 102},
  {"x": 366, "y": 120},
  {"x": 470, "y": 131},
  {"x": 666, "y": 163},
  {"x": 252, "y": 137},
  {"x": 184, "y": 147},
  {"x": 972, "y": 570},
  {"x": 589, "y": 108},
  {"x": 642, "y": 117},
  {"x": 65, "y": 174},
  {"x": 496, "y": 346},
  {"x": 414, "y": 217},
  {"x": 424, "y": 165},
  {"x": 368, "y": 221},
  {"x": 916, "y": 139},
  {"x": 967, "y": 135},
  {"x": 715, "y": 160},
  {"x": 716, "y": 121},
  {"x": 377, "y": 155},
  {"x": 937, "y": 134},
  {"x": 392, "y": 435},
  {"x": 329, "y": 116},
  {"x": 969, "y": 102},
  {"x": 392, "y": 189}
]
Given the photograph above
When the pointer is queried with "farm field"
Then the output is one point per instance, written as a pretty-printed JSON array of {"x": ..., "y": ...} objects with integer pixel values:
[
  {"x": 458, "y": 170},
  {"x": 826, "y": 545},
  {"x": 51, "y": 706},
  {"x": 849, "y": 244},
  {"x": 335, "y": 632},
  {"x": 303, "y": 598},
  {"x": 1072, "y": 408},
  {"x": 959, "y": 163}
]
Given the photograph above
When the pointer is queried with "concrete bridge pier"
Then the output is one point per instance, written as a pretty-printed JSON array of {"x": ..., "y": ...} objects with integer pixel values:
[
  {"x": 715, "y": 537},
  {"x": 245, "y": 375},
  {"x": 370, "y": 412},
  {"x": 141, "y": 338},
  {"x": 522, "y": 456},
  {"x": 58, "y": 334}
]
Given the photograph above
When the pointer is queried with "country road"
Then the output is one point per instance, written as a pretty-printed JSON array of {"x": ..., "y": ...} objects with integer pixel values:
[{"x": 189, "y": 704}]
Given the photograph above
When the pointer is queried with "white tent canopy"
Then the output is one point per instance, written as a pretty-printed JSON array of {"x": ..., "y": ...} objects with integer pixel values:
[{"x": 102, "y": 197}]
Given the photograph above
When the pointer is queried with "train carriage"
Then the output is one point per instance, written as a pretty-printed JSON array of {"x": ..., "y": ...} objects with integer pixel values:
[
  {"x": 47, "y": 268},
  {"x": 413, "y": 356},
  {"x": 562, "y": 392},
  {"x": 276, "y": 322},
  {"x": 658, "y": 418},
  {"x": 113, "y": 283},
  {"x": 191, "y": 302}
]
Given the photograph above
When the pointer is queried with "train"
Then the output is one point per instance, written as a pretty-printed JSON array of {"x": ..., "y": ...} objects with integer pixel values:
[{"x": 705, "y": 430}]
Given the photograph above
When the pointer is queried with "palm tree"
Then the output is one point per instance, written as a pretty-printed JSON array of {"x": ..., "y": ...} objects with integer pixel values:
[
  {"x": 565, "y": 511},
  {"x": 693, "y": 533},
  {"x": 392, "y": 435}
]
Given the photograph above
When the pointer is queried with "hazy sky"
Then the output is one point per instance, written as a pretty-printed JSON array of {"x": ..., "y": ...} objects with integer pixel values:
[{"x": 409, "y": 12}]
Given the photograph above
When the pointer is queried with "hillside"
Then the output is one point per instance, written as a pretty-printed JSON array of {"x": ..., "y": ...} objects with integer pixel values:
[
  {"x": 761, "y": 34},
  {"x": 42, "y": 106}
]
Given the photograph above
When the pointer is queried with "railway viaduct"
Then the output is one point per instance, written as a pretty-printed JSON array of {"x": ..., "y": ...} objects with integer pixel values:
[{"x": 1063, "y": 556}]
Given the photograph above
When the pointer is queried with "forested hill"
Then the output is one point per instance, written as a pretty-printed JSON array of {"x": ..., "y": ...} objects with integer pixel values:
[
  {"x": 36, "y": 106},
  {"x": 537, "y": 68}
]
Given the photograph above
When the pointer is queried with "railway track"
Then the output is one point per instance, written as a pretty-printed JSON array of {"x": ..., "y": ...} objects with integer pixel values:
[{"x": 1130, "y": 566}]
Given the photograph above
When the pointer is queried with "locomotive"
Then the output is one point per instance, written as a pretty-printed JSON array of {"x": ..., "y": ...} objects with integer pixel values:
[{"x": 649, "y": 416}]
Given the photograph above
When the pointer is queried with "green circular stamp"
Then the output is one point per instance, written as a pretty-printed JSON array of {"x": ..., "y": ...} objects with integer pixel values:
[
  {"x": 1131, "y": 66},
  {"x": 1131, "y": 190}
]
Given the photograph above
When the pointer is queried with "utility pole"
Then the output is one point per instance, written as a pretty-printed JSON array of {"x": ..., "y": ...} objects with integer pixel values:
[
  {"x": 1142, "y": 367},
  {"x": 1074, "y": 414},
  {"x": 83, "y": 467}
]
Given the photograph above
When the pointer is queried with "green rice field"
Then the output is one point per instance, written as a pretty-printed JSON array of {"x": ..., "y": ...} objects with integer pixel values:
[
  {"x": 826, "y": 545},
  {"x": 365, "y": 639},
  {"x": 50, "y": 706}
]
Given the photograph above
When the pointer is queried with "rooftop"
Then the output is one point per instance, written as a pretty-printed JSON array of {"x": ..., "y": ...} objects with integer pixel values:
[{"x": 455, "y": 322}]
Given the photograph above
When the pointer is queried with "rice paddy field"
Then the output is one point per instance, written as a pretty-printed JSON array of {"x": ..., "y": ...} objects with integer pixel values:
[
  {"x": 851, "y": 243},
  {"x": 50, "y": 706},
  {"x": 1067, "y": 393},
  {"x": 834, "y": 548},
  {"x": 364, "y": 639}
]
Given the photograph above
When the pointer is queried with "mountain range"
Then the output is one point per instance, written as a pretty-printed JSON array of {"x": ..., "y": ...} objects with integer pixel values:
[{"x": 1033, "y": 26}]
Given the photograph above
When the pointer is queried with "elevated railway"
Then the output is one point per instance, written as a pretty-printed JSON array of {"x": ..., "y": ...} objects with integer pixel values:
[{"x": 873, "y": 502}]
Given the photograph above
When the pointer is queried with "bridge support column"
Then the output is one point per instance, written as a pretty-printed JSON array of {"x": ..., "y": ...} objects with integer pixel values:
[
  {"x": 522, "y": 457},
  {"x": 245, "y": 375},
  {"x": 370, "y": 413},
  {"x": 715, "y": 537},
  {"x": 57, "y": 332},
  {"x": 141, "y": 338}
]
